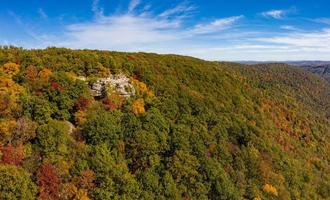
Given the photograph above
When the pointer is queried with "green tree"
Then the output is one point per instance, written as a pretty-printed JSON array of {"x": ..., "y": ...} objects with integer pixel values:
[
  {"x": 16, "y": 184},
  {"x": 102, "y": 127},
  {"x": 53, "y": 137}
]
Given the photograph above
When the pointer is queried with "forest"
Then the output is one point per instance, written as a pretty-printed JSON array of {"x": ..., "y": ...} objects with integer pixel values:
[{"x": 189, "y": 129}]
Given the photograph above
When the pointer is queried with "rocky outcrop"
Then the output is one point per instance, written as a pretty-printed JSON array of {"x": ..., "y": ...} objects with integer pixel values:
[{"x": 120, "y": 83}]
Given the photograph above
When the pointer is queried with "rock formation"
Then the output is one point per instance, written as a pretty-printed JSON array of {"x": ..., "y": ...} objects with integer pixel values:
[{"x": 120, "y": 83}]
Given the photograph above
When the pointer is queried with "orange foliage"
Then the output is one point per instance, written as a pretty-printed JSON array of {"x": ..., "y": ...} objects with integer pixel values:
[
  {"x": 138, "y": 107},
  {"x": 70, "y": 191},
  {"x": 10, "y": 69},
  {"x": 48, "y": 182},
  {"x": 113, "y": 102},
  {"x": 31, "y": 73},
  {"x": 86, "y": 179},
  {"x": 45, "y": 73},
  {"x": 270, "y": 189},
  {"x": 12, "y": 155},
  {"x": 142, "y": 88}
]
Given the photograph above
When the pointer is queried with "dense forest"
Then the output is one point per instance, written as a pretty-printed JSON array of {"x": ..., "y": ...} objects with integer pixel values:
[{"x": 190, "y": 129}]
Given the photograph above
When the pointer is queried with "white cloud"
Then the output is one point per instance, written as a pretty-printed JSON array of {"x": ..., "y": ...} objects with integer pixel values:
[
  {"x": 138, "y": 31},
  {"x": 289, "y": 28},
  {"x": 316, "y": 39},
  {"x": 181, "y": 9},
  {"x": 172, "y": 31},
  {"x": 276, "y": 14},
  {"x": 216, "y": 25}
]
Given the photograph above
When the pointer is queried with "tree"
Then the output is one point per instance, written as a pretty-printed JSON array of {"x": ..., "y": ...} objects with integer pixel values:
[
  {"x": 12, "y": 155},
  {"x": 268, "y": 188},
  {"x": 183, "y": 166},
  {"x": 7, "y": 130},
  {"x": 10, "y": 69},
  {"x": 113, "y": 180},
  {"x": 16, "y": 184},
  {"x": 25, "y": 130},
  {"x": 102, "y": 127},
  {"x": 31, "y": 73},
  {"x": 138, "y": 107},
  {"x": 53, "y": 137},
  {"x": 9, "y": 91},
  {"x": 36, "y": 108},
  {"x": 82, "y": 103},
  {"x": 48, "y": 182}
]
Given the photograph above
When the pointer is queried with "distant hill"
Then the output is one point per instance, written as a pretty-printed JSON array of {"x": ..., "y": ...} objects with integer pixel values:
[{"x": 321, "y": 68}]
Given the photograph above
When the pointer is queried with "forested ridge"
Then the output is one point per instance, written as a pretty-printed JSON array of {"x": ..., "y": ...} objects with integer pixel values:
[{"x": 192, "y": 129}]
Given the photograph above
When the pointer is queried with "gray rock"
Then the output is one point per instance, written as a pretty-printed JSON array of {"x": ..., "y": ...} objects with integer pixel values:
[{"x": 120, "y": 83}]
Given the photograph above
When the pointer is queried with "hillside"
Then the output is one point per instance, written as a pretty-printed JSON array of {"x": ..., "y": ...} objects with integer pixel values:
[
  {"x": 317, "y": 67},
  {"x": 83, "y": 124},
  {"x": 321, "y": 68}
]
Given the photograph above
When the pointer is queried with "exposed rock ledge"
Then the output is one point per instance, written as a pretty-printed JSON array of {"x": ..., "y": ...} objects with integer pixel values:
[{"x": 120, "y": 83}]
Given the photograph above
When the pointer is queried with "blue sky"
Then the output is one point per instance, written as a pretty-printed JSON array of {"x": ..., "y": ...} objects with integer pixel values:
[{"x": 214, "y": 29}]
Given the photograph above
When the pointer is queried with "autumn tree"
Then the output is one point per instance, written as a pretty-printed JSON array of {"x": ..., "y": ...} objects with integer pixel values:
[
  {"x": 25, "y": 130},
  {"x": 10, "y": 69},
  {"x": 138, "y": 107},
  {"x": 16, "y": 183},
  {"x": 9, "y": 92},
  {"x": 12, "y": 155},
  {"x": 48, "y": 182},
  {"x": 7, "y": 130}
]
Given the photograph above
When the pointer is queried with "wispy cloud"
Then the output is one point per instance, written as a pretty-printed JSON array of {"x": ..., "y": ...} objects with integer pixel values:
[
  {"x": 289, "y": 28},
  {"x": 277, "y": 14},
  {"x": 133, "y": 4},
  {"x": 42, "y": 14},
  {"x": 182, "y": 9},
  {"x": 216, "y": 25},
  {"x": 133, "y": 30},
  {"x": 177, "y": 29},
  {"x": 96, "y": 9},
  {"x": 316, "y": 39},
  {"x": 322, "y": 20}
]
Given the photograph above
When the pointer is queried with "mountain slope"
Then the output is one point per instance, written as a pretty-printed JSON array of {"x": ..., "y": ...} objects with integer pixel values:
[
  {"x": 191, "y": 129},
  {"x": 321, "y": 68}
]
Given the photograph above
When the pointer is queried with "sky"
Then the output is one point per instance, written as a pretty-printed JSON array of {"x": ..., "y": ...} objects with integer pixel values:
[{"x": 226, "y": 30}]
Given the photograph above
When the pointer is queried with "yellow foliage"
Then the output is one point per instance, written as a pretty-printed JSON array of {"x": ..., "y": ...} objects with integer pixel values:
[
  {"x": 256, "y": 198},
  {"x": 7, "y": 128},
  {"x": 45, "y": 73},
  {"x": 10, "y": 69},
  {"x": 138, "y": 107},
  {"x": 270, "y": 189},
  {"x": 102, "y": 71},
  {"x": 72, "y": 75},
  {"x": 9, "y": 91},
  {"x": 9, "y": 86},
  {"x": 150, "y": 94},
  {"x": 80, "y": 117},
  {"x": 81, "y": 195},
  {"x": 70, "y": 191}
]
